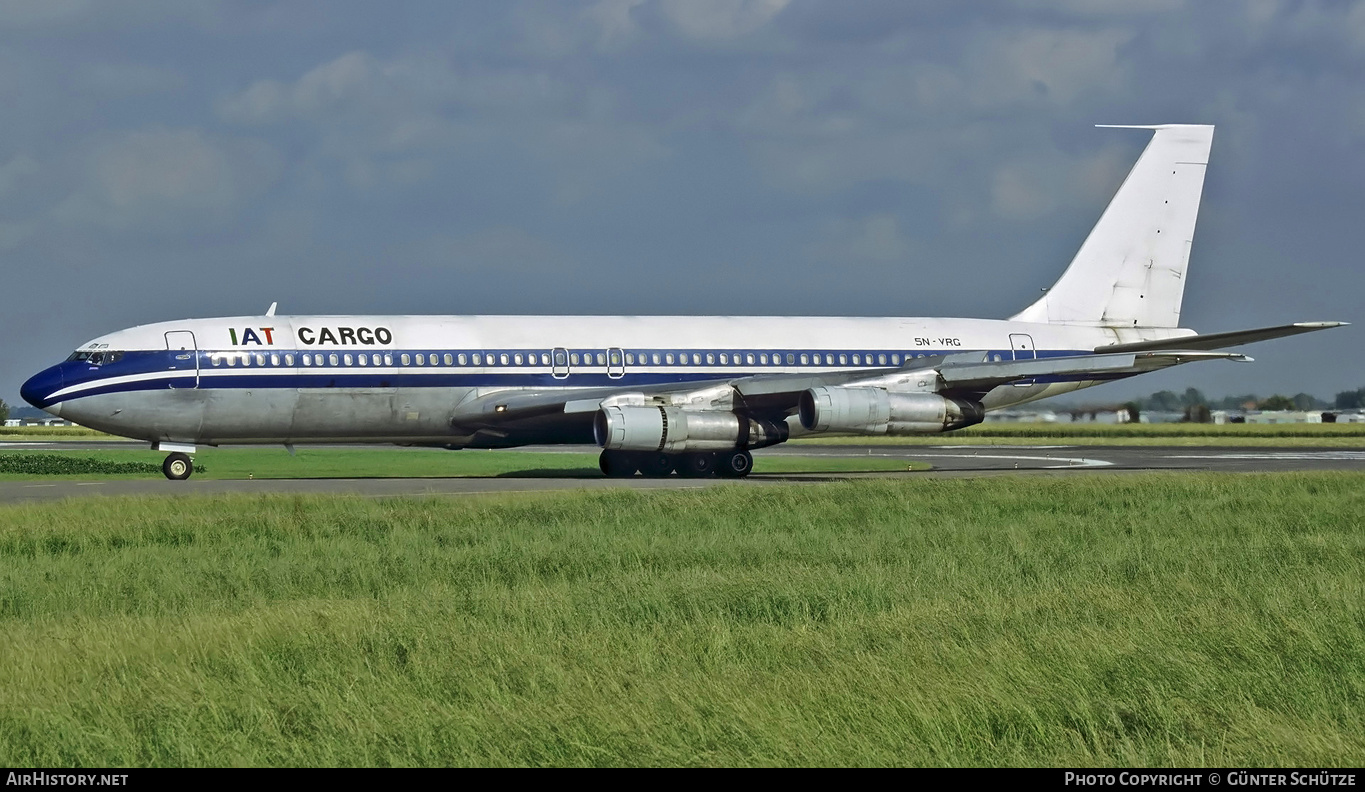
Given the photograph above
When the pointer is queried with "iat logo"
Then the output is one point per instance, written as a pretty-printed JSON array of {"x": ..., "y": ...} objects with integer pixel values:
[{"x": 249, "y": 336}]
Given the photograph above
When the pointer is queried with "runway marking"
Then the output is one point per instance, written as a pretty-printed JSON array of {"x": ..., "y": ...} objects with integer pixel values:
[
  {"x": 1069, "y": 461},
  {"x": 31, "y": 486},
  {"x": 1330, "y": 456}
]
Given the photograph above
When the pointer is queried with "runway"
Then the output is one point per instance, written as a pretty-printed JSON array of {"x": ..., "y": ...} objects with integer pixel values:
[{"x": 948, "y": 461}]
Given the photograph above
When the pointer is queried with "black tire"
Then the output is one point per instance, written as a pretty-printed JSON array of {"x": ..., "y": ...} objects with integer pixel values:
[
  {"x": 177, "y": 466},
  {"x": 616, "y": 464},
  {"x": 697, "y": 465},
  {"x": 735, "y": 464},
  {"x": 656, "y": 465}
]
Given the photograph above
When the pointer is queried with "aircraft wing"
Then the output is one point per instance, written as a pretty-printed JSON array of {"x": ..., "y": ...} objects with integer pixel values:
[
  {"x": 498, "y": 414},
  {"x": 1222, "y": 340}
]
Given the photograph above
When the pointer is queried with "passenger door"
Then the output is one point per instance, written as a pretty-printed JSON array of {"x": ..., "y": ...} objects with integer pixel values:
[
  {"x": 1022, "y": 344},
  {"x": 184, "y": 359},
  {"x": 616, "y": 363}
]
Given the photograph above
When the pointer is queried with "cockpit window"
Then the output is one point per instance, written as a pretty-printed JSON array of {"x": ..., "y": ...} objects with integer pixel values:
[{"x": 97, "y": 358}]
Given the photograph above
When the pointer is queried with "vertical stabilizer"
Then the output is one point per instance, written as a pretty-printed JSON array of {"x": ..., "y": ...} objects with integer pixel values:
[{"x": 1130, "y": 272}]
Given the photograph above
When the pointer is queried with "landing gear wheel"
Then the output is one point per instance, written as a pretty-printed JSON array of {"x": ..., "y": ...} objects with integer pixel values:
[
  {"x": 177, "y": 467},
  {"x": 735, "y": 464},
  {"x": 656, "y": 465},
  {"x": 697, "y": 465},
  {"x": 615, "y": 464}
]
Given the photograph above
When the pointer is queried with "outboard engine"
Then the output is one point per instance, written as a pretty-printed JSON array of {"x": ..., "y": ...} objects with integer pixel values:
[{"x": 872, "y": 411}]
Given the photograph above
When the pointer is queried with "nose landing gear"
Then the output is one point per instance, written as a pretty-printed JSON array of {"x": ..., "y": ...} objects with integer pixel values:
[{"x": 177, "y": 466}]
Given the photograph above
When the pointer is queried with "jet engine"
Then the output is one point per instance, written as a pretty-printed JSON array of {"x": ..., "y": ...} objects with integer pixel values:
[
  {"x": 871, "y": 411},
  {"x": 672, "y": 430}
]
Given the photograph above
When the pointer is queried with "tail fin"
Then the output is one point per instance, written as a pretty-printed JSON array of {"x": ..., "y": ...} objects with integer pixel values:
[{"x": 1131, "y": 269}]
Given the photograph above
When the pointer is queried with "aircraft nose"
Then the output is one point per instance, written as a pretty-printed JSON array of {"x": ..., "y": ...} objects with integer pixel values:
[{"x": 40, "y": 387}]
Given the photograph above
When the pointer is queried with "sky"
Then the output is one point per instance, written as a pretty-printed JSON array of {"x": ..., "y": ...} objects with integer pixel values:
[{"x": 162, "y": 159}]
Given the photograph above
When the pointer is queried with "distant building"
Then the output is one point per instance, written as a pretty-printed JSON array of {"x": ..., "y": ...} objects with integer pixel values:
[
  {"x": 1283, "y": 416},
  {"x": 14, "y": 422}
]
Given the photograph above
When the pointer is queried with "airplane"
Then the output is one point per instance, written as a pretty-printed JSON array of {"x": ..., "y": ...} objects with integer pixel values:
[{"x": 662, "y": 394}]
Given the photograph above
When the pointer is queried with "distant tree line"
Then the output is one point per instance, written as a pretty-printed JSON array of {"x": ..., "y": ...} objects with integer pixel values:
[
  {"x": 4, "y": 411},
  {"x": 1198, "y": 408}
]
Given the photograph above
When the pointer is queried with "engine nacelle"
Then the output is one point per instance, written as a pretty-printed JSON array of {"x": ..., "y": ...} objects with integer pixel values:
[
  {"x": 875, "y": 411},
  {"x": 671, "y": 430}
]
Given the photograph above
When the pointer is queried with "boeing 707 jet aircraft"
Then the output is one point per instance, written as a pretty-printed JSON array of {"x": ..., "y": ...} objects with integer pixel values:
[{"x": 691, "y": 394}]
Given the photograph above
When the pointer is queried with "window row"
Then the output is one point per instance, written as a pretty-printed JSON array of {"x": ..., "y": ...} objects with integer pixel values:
[{"x": 561, "y": 358}]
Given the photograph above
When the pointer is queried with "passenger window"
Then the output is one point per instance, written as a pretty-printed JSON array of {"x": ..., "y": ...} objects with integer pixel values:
[
  {"x": 346, "y": 359},
  {"x": 462, "y": 358},
  {"x": 274, "y": 360},
  {"x": 601, "y": 358},
  {"x": 332, "y": 359},
  {"x": 881, "y": 360},
  {"x": 668, "y": 358},
  {"x": 696, "y": 359},
  {"x": 362, "y": 360},
  {"x": 763, "y": 358},
  {"x": 260, "y": 360},
  {"x": 421, "y": 359},
  {"x": 616, "y": 357},
  {"x": 307, "y": 360},
  {"x": 375, "y": 359},
  {"x": 656, "y": 358},
  {"x": 996, "y": 358},
  {"x": 288, "y": 360},
  {"x": 829, "y": 360},
  {"x": 404, "y": 357},
  {"x": 246, "y": 359},
  {"x": 749, "y": 358},
  {"x": 517, "y": 358},
  {"x": 502, "y": 359},
  {"x": 895, "y": 360},
  {"x": 805, "y": 358},
  {"x": 573, "y": 359},
  {"x": 843, "y": 360},
  {"x": 388, "y": 360},
  {"x": 630, "y": 358},
  {"x": 791, "y": 359},
  {"x": 544, "y": 358},
  {"x": 232, "y": 360},
  {"x": 857, "y": 360},
  {"x": 724, "y": 359},
  {"x": 477, "y": 358},
  {"x": 710, "y": 359},
  {"x": 214, "y": 360}
]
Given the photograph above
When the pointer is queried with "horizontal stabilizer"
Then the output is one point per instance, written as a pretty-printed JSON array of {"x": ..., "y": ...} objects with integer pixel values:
[{"x": 1221, "y": 340}]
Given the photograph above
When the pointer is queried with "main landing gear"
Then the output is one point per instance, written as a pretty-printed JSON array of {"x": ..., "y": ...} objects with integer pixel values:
[
  {"x": 728, "y": 464},
  {"x": 177, "y": 466}
]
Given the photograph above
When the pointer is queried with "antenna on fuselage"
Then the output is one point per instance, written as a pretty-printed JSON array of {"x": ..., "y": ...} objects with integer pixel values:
[{"x": 271, "y": 310}]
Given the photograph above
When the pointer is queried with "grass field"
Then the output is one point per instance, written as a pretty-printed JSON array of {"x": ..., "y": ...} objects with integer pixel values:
[
  {"x": 385, "y": 462},
  {"x": 1151, "y": 619}
]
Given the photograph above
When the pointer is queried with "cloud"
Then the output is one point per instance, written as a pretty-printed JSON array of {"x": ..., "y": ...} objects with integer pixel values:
[
  {"x": 874, "y": 238},
  {"x": 168, "y": 181},
  {"x": 720, "y": 19}
]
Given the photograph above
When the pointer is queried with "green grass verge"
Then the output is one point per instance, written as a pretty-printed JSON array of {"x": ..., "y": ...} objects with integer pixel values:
[
  {"x": 381, "y": 462},
  {"x": 1319, "y": 435},
  {"x": 1141, "y": 620},
  {"x": 49, "y": 433}
]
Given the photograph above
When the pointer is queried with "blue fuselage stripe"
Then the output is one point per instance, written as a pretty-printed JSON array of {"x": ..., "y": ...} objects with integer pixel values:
[{"x": 157, "y": 370}]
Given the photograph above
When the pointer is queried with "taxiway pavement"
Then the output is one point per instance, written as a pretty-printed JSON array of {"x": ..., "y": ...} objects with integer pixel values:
[{"x": 948, "y": 460}]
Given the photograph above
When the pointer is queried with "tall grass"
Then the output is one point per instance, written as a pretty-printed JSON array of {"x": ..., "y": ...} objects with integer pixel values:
[{"x": 1136, "y": 620}]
